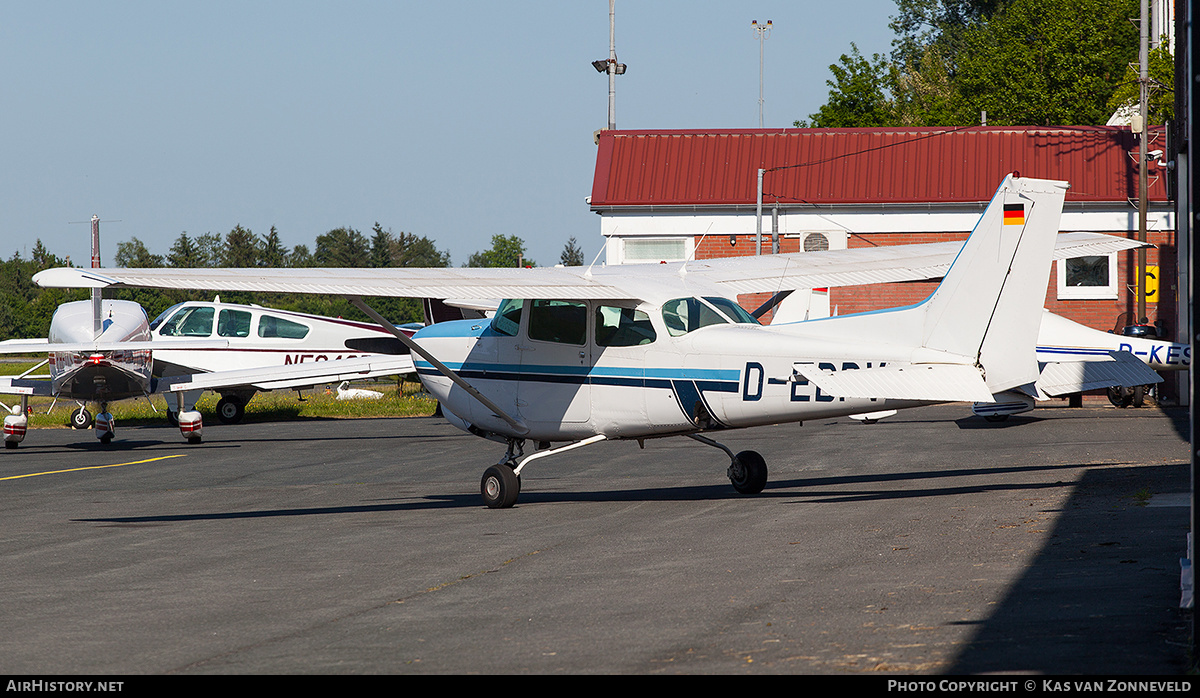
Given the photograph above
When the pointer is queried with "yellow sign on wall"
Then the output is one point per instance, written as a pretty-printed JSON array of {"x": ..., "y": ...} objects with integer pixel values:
[{"x": 1151, "y": 284}]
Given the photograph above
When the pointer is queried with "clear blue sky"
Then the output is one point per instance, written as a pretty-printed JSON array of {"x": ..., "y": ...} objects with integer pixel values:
[{"x": 452, "y": 120}]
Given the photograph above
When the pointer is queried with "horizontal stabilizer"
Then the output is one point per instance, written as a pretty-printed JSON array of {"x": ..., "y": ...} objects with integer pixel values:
[
  {"x": 925, "y": 382},
  {"x": 1123, "y": 369},
  {"x": 25, "y": 386},
  {"x": 291, "y": 376},
  {"x": 41, "y": 346}
]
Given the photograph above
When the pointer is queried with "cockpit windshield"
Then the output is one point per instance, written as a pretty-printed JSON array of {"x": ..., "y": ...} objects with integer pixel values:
[{"x": 684, "y": 315}]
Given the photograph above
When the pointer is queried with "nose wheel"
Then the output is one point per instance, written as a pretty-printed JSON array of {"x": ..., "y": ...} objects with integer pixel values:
[
  {"x": 81, "y": 418},
  {"x": 500, "y": 486}
]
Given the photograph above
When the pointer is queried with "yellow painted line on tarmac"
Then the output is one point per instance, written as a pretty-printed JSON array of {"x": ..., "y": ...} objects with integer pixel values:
[{"x": 92, "y": 467}]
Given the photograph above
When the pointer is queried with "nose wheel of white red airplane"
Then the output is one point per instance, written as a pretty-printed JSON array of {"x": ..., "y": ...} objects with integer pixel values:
[{"x": 81, "y": 418}]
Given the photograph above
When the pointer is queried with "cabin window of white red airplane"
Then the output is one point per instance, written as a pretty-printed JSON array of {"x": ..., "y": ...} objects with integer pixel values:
[
  {"x": 564, "y": 322},
  {"x": 623, "y": 327},
  {"x": 507, "y": 320},
  {"x": 233, "y": 323},
  {"x": 193, "y": 321},
  {"x": 271, "y": 326}
]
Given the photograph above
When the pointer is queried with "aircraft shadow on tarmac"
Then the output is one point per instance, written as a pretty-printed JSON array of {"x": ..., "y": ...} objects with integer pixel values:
[{"x": 805, "y": 490}]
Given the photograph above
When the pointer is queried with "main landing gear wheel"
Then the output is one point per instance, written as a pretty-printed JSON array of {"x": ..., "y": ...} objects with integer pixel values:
[
  {"x": 748, "y": 472},
  {"x": 1124, "y": 397},
  {"x": 81, "y": 418},
  {"x": 230, "y": 410},
  {"x": 500, "y": 487}
]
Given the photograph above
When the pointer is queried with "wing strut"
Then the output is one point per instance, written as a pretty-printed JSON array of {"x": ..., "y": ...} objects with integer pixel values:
[{"x": 441, "y": 367}]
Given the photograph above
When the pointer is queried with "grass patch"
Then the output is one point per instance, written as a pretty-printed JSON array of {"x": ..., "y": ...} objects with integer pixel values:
[{"x": 400, "y": 399}]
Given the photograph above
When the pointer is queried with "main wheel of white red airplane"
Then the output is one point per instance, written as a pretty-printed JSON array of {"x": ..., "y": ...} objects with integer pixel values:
[
  {"x": 81, "y": 418},
  {"x": 748, "y": 472},
  {"x": 499, "y": 487},
  {"x": 172, "y": 418},
  {"x": 230, "y": 410}
]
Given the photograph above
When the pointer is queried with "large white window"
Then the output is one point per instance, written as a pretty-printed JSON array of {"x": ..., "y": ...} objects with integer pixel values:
[
  {"x": 656, "y": 249},
  {"x": 1093, "y": 277}
]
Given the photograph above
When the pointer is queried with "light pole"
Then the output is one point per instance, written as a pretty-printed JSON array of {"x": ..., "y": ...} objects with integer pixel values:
[
  {"x": 611, "y": 66},
  {"x": 763, "y": 31}
]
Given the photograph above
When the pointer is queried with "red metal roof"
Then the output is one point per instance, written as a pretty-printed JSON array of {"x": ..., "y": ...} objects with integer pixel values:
[{"x": 863, "y": 165}]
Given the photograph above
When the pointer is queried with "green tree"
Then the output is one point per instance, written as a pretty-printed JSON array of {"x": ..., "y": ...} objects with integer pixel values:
[
  {"x": 342, "y": 247},
  {"x": 1045, "y": 62},
  {"x": 300, "y": 257},
  {"x": 381, "y": 247},
  {"x": 210, "y": 250},
  {"x": 1161, "y": 71},
  {"x": 1026, "y": 62},
  {"x": 506, "y": 251},
  {"x": 271, "y": 251},
  {"x": 858, "y": 94},
  {"x": 241, "y": 248},
  {"x": 133, "y": 254},
  {"x": 571, "y": 255},
  {"x": 184, "y": 254}
]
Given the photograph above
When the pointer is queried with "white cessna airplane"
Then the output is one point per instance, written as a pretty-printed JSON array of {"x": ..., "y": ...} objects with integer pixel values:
[{"x": 583, "y": 355}]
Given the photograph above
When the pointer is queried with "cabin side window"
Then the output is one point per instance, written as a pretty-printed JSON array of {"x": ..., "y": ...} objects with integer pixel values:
[
  {"x": 194, "y": 321},
  {"x": 233, "y": 323},
  {"x": 564, "y": 322},
  {"x": 623, "y": 327},
  {"x": 684, "y": 315},
  {"x": 271, "y": 326}
]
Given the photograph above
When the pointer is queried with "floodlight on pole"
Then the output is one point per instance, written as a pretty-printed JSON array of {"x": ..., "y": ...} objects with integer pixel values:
[
  {"x": 763, "y": 31},
  {"x": 611, "y": 66}
]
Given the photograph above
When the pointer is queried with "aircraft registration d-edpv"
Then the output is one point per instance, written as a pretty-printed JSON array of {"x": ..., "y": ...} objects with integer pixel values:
[{"x": 583, "y": 355}]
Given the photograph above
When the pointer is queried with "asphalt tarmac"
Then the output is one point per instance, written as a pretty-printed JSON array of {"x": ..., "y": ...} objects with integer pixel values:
[{"x": 932, "y": 543}]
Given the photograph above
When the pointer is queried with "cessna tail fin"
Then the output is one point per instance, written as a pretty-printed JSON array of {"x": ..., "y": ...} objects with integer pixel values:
[
  {"x": 989, "y": 304},
  {"x": 984, "y": 315}
]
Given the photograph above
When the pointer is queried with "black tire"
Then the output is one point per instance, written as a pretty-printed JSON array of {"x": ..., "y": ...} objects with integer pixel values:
[
  {"x": 193, "y": 439},
  {"x": 10, "y": 444},
  {"x": 230, "y": 410},
  {"x": 748, "y": 472},
  {"x": 1119, "y": 396},
  {"x": 1137, "y": 397},
  {"x": 499, "y": 487},
  {"x": 81, "y": 419},
  {"x": 172, "y": 418},
  {"x": 106, "y": 439}
]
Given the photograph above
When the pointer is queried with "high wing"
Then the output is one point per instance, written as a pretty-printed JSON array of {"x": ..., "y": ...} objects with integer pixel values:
[{"x": 728, "y": 276}]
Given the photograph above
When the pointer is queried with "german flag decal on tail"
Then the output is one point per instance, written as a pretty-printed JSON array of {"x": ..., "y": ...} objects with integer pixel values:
[{"x": 1014, "y": 214}]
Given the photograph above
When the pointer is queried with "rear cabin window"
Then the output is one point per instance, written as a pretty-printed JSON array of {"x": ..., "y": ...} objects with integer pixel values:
[
  {"x": 564, "y": 322},
  {"x": 193, "y": 321},
  {"x": 271, "y": 326},
  {"x": 623, "y": 327}
]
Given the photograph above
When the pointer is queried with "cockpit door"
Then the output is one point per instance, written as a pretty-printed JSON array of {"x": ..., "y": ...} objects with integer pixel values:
[{"x": 556, "y": 360}]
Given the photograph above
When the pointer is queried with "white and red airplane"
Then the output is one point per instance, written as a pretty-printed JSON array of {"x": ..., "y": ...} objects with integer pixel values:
[
  {"x": 104, "y": 350},
  {"x": 584, "y": 355}
]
